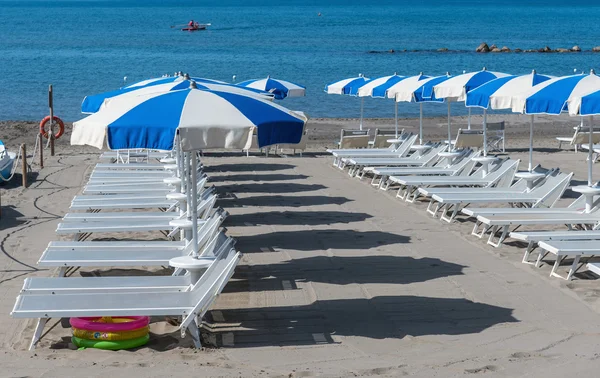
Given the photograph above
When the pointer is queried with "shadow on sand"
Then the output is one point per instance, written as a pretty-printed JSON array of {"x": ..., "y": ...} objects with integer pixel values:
[
  {"x": 247, "y": 167},
  {"x": 341, "y": 270},
  {"x": 307, "y": 218},
  {"x": 376, "y": 318},
  {"x": 315, "y": 240},
  {"x": 257, "y": 177},
  {"x": 270, "y": 188},
  {"x": 282, "y": 201}
]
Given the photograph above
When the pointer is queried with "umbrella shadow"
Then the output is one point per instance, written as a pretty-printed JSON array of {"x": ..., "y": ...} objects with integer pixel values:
[
  {"x": 256, "y": 177},
  {"x": 246, "y": 167},
  {"x": 282, "y": 201},
  {"x": 341, "y": 270},
  {"x": 270, "y": 188},
  {"x": 381, "y": 317},
  {"x": 10, "y": 217},
  {"x": 315, "y": 240},
  {"x": 307, "y": 218}
]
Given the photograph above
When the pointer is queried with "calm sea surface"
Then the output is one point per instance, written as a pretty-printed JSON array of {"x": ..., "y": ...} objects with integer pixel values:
[{"x": 89, "y": 46}]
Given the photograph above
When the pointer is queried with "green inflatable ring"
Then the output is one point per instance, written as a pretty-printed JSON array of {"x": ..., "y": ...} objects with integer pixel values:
[{"x": 110, "y": 345}]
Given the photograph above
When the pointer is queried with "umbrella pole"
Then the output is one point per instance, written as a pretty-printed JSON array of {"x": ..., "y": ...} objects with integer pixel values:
[
  {"x": 396, "y": 116},
  {"x": 194, "y": 205},
  {"x": 188, "y": 192},
  {"x": 484, "y": 131},
  {"x": 362, "y": 106},
  {"x": 531, "y": 144},
  {"x": 469, "y": 121},
  {"x": 590, "y": 152},
  {"x": 421, "y": 123},
  {"x": 449, "y": 132}
]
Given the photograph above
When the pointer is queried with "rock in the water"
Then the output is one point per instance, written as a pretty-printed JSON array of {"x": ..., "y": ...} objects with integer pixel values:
[
  {"x": 505, "y": 49},
  {"x": 530, "y": 51},
  {"x": 483, "y": 48},
  {"x": 443, "y": 49},
  {"x": 391, "y": 51},
  {"x": 596, "y": 49},
  {"x": 576, "y": 48},
  {"x": 518, "y": 50},
  {"x": 545, "y": 49},
  {"x": 495, "y": 49},
  {"x": 561, "y": 50}
]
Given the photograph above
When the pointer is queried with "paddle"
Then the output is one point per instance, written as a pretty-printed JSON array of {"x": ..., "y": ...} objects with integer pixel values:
[{"x": 178, "y": 26}]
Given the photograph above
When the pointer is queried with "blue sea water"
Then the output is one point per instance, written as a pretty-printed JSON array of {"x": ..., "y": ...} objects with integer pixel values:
[{"x": 88, "y": 46}]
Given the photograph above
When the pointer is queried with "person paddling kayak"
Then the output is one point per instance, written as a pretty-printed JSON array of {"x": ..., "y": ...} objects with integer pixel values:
[{"x": 192, "y": 24}]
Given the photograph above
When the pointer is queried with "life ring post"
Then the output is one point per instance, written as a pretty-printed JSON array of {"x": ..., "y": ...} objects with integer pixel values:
[{"x": 51, "y": 106}]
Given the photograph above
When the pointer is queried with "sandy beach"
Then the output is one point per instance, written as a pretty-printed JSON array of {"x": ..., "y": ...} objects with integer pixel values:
[{"x": 338, "y": 279}]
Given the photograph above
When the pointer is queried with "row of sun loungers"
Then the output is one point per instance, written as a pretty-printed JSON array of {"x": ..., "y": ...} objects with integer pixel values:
[
  {"x": 185, "y": 294},
  {"x": 459, "y": 186}
]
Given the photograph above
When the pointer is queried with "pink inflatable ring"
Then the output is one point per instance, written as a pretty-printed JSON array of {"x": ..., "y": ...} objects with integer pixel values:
[{"x": 120, "y": 323}]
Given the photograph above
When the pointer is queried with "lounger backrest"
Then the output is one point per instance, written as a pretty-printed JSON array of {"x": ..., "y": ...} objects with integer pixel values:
[
  {"x": 554, "y": 189},
  {"x": 359, "y": 141},
  {"x": 468, "y": 138},
  {"x": 502, "y": 173},
  {"x": 382, "y": 136},
  {"x": 404, "y": 148},
  {"x": 584, "y": 137},
  {"x": 212, "y": 283}
]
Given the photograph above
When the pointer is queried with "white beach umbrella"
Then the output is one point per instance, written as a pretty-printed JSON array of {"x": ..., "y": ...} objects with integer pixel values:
[{"x": 345, "y": 87}]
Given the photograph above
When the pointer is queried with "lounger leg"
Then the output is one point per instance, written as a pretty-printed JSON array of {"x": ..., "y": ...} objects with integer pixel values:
[
  {"x": 574, "y": 267},
  {"x": 62, "y": 271},
  {"x": 412, "y": 193},
  {"x": 195, "y": 334},
  {"x": 528, "y": 250},
  {"x": 429, "y": 207},
  {"x": 37, "y": 334},
  {"x": 475, "y": 228},
  {"x": 557, "y": 263},
  {"x": 452, "y": 216},
  {"x": 500, "y": 238},
  {"x": 540, "y": 257}
]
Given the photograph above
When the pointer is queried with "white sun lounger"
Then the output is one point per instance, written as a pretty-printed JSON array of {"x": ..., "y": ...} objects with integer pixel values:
[
  {"x": 131, "y": 223},
  {"x": 462, "y": 165},
  {"x": 564, "y": 249},
  {"x": 502, "y": 223},
  {"x": 427, "y": 158},
  {"x": 451, "y": 203},
  {"x": 191, "y": 305},
  {"x": 532, "y": 238},
  {"x": 500, "y": 174},
  {"x": 159, "y": 188},
  {"x": 399, "y": 151}
]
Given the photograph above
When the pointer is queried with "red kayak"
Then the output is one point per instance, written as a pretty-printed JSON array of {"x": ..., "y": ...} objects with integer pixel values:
[{"x": 201, "y": 27}]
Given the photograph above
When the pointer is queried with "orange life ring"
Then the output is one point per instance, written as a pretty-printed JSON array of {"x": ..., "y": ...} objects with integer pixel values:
[{"x": 61, "y": 127}]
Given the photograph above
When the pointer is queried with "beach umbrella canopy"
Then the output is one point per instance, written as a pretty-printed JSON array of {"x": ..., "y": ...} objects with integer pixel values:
[
  {"x": 457, "y": 87},
  {"x": 171, "y": 79},
  {"x": 499, "y": 94},
  {"x": 203, "y": 119},
  {"x": 91, "y": 104},
  {"x": 552, "y": 97},
  {"x": 411, "y": 90},
  {"x": 280, "y": 88},
  {"x": 347, "y": 87},
  {"x": 378, "y": 88}
]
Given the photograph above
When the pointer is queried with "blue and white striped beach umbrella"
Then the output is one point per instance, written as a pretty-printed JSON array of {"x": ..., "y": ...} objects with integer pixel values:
[
  {"x": 552, "y": 97},
  {"x": 347, "y": 87},
  {"x": 171, "y": 79},
  {"x": 411, "y": 90},
  {"x": 92, "y": 104},
  {"x": 457, "y": 87},
  {"x": 204, "y": 120},
  {"x": 499, "y": 94},
  {"x": 377, "y": 88},
  {"x": 280, "y": 88}
]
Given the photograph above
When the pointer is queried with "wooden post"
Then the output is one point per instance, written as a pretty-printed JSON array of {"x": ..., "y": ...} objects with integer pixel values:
[
  {"x": 24, "y": 165},
  {"x": 51, "y": 132},
  {"x": 41, "y": 143}
]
